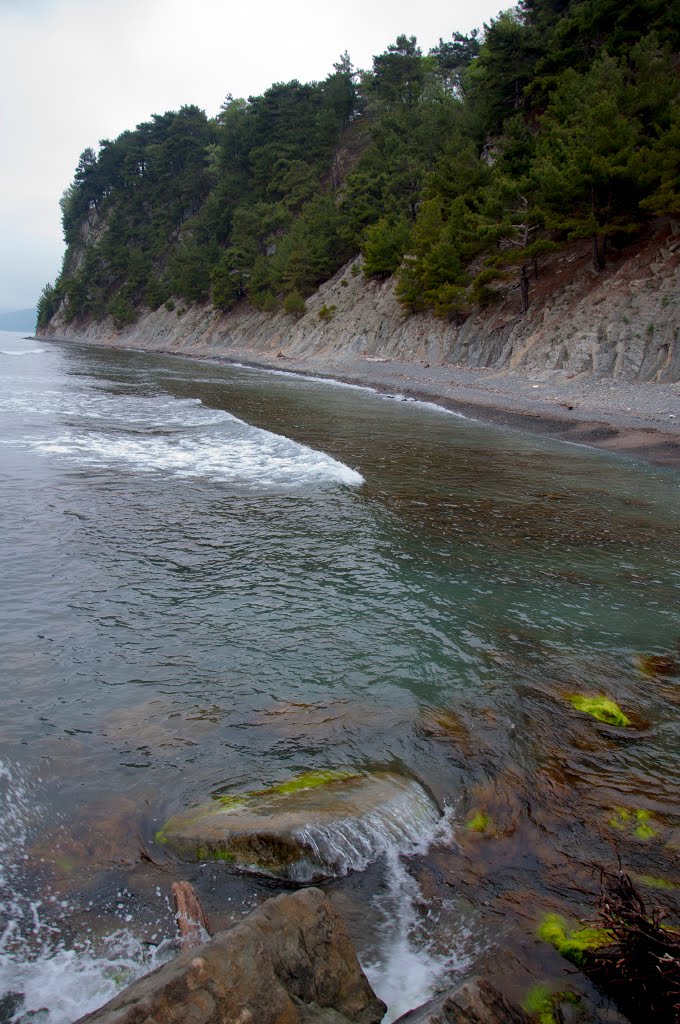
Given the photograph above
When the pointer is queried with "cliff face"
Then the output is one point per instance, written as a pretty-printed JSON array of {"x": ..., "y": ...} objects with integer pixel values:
[{"x": 623, "y": 323}]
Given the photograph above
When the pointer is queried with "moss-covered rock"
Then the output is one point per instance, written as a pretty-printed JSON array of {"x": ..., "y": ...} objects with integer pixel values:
[
  {"x": 634, "y": 820},
  {"x": 574, "y": 944},
  {"x": 479, "y": 821},
  {"x": 602, "y": 708},
  {"x": 314, "y": 825}
]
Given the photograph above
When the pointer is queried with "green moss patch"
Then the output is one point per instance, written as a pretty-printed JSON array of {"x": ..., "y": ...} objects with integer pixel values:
[
  {"x": 542, "y": 1004},
  {"x": 310, "y": 780},
  {"x": 573, "y": 944},
  {"x": 479, "y": 822},
  {"x": 655, "y": 882},
  {"x": 635, "y": 821},
  {"x": 601, "y": 708},
  {"x": 229, "y": 802}
]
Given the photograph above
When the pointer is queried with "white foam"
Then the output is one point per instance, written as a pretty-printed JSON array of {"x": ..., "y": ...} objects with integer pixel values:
[
  {"x": 64, "y": 984},
  {"x": 400, "y": 824},
  {"x": 407, "y": 970},
  {"x": 332, "y": 381},
  {"x": 21, "y": 351},
  {"x": 180, "y": 438},
  {"x": 423, "y": 404},
  {"x": 46, "y": 980},
  {"x": 256, "y": 458}
]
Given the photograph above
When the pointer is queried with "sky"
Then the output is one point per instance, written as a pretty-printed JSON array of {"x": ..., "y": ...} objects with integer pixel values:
[{"x": 77, "y": 71}]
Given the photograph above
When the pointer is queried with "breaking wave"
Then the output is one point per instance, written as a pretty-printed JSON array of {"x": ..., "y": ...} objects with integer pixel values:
[
  {"x": 21, "y": 351},
  {"x": 180, "y": 438}
]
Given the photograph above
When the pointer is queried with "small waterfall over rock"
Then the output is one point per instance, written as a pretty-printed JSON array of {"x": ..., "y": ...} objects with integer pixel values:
[
  {"x": 320, "y": 825},
  {"x": 398, "y": 824}
]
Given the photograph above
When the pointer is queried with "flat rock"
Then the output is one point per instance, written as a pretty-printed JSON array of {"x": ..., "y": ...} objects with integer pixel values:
[
  {"x": 289, "y": 962},
  {"x": 314, "y": 826}
]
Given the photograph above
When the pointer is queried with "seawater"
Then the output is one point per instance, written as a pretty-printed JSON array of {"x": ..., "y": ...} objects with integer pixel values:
[{"x": 216, "y": 577}]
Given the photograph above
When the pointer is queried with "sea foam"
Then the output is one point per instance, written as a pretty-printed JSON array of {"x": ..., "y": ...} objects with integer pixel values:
[{"x": 182, "y": 438}]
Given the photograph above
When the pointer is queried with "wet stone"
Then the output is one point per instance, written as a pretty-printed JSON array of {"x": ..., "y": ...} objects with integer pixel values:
[
  {"x": 659, "y": 665},
  {"x": 475, "y": 1002},
  {"x": 317, "y": 825}
]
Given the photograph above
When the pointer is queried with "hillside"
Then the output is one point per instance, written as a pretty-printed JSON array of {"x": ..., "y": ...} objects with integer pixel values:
[
  {"x": 622, "y": 322},
  {"x": 464, "y": 190}
]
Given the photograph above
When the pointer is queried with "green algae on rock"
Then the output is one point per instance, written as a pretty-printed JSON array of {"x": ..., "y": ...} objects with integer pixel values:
[
  {"x": 542, "y": 1004},
  {"x": 479, "y": 822},
  {"x": 655, "y": 882},
  {"x": 315, "y": 825},
  {"x": 634, "y": 820},
  {"x": 310, "y": 780},
  {"x": 601, "y": 708},
  {"x": 574, "y": 944}
]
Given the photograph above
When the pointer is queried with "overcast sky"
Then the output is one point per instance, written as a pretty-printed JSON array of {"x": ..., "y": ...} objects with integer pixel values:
[{"x": 77, "y": 71}]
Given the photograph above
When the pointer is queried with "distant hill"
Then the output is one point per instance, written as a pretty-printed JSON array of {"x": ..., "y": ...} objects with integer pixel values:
[{"x": 19, "y": 320}]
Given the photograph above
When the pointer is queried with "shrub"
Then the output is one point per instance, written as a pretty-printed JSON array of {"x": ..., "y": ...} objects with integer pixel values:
[{"x": 294, "y": 304}]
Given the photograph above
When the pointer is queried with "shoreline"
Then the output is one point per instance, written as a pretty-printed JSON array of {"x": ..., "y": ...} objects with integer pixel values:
[
  {"x": 577, "y": 415},
  {"x": 632, "y": 419}
]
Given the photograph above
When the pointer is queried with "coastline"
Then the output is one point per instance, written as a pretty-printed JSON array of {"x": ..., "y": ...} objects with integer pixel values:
[
  {"x": 639, "y": 420},
  {"x": 636, "y": 419}
]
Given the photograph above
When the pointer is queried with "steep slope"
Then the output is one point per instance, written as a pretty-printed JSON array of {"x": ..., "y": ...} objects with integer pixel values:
[{"x": 624, "y": 322}]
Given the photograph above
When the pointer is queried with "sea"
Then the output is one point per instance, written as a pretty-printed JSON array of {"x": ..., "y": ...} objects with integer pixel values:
[{"x": 216, "y": 577}]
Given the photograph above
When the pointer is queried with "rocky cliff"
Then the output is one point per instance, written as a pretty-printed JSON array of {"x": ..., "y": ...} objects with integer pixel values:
[{"x": 622, "y": 323}]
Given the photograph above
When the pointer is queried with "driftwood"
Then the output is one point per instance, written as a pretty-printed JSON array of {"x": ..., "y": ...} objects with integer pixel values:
[{"x": 192, "y": 924}]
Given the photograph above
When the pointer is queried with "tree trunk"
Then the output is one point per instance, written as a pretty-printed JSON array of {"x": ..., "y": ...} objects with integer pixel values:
[
  {"x": 599, "y": 254},
  {"x": 524, "y": 287}
]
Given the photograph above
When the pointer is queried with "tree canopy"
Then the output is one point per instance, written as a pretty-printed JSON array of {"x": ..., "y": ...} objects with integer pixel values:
[{"x": 451, "y": 170}]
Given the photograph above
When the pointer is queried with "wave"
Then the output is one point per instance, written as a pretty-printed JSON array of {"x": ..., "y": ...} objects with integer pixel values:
[
  {"x": 261, "y": 459},
  {"x": 21, "y": 351},
  {"x": 41, "y": 977},
  {"x": 184, "y": 439}
]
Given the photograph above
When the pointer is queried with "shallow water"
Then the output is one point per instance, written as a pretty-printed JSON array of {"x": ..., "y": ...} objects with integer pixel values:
[{"x": 217, "y": 577}]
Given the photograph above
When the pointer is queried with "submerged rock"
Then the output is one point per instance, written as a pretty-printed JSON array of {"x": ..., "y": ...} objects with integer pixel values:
[
  {"x": 291, "y": 960},
  {"x": 656, "y": 665},
  {"x": 313, "y": 826}
]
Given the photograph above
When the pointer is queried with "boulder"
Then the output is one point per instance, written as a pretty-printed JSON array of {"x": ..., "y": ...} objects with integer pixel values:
[
  {"x": 289, "y": 962},
  {"x": 475, "y": 1002},
  {"x": 317, "y": 825}
]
